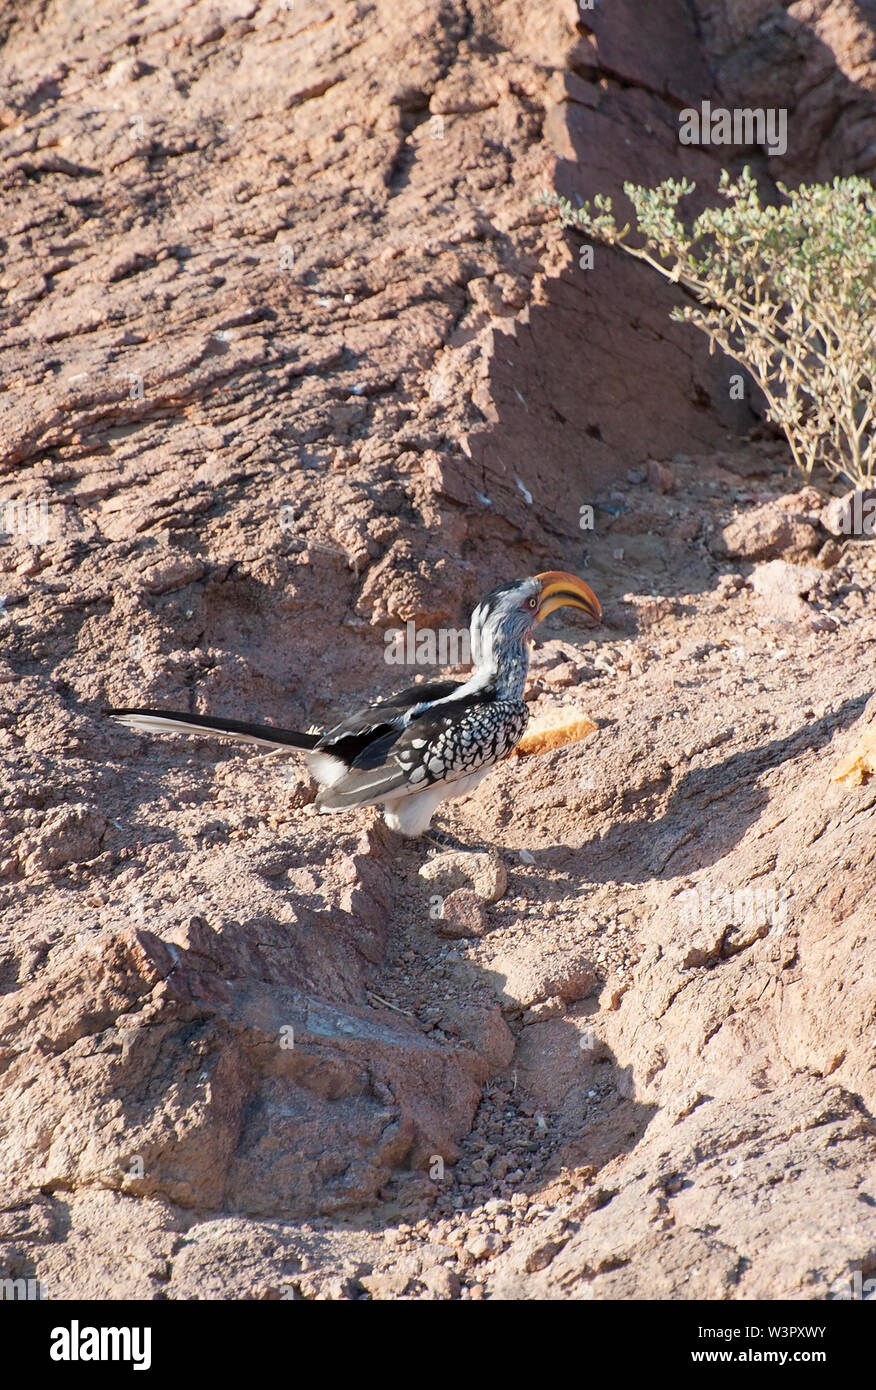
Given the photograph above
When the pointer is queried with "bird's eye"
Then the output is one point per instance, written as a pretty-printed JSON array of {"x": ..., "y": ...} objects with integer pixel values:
[{"x": 533, "y": 603}]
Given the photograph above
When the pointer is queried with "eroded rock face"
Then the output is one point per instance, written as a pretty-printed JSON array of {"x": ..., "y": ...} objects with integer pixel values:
[
  {"x": 210, "y": 1076},
  {"x": 295, "y": 359}
]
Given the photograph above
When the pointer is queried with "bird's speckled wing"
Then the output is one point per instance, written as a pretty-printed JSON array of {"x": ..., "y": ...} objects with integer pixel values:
[
  {"x": 355, "y": 734},
  {"x": 442, "y": 744}
]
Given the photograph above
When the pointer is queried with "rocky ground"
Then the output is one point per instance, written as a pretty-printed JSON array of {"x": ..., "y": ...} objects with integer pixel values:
[{"x": 295, "y": 359}]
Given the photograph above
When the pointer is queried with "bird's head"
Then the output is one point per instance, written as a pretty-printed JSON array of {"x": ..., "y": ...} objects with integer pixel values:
[{"x": 510, "y": 612}]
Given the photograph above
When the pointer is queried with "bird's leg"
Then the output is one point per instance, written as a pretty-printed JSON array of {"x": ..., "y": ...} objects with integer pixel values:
[{"x": 443, "y": 840}]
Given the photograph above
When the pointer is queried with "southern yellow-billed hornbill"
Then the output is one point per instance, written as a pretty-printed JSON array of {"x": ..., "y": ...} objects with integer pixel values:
[{"x": 432, "y": 742}]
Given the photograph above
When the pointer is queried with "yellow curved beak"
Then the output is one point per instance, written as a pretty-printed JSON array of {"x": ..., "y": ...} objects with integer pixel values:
[{"x": 559, "y": 589}]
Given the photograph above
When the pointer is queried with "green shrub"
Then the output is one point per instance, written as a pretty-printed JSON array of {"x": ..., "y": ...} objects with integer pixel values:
[{"x": 787, "y": 291}]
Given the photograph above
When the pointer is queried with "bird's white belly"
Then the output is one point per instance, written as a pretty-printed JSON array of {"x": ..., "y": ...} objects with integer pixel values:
[
  {"x": 412, "y": 814},
  {"x": 464, "y": 785}
]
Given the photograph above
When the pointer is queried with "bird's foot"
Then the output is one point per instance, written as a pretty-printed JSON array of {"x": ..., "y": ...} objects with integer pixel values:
[{"x": 443, "y": 840}]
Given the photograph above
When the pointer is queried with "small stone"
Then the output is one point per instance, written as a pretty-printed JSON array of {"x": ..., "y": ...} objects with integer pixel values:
[
  {"x": 441, "y": 1282},
  {"x": 530, "y": 974},
  {"x": 462, "y": 915},
  {"x": 389, "y": 1285},
  {"x": 807, "y": 502},
  {"x": 540, "y": 1256},
  {"x": 660, "y": 476},
  {"x": 730, "y": 583},
  {"x": 686, "y": 1104},
  {"x": 484, "y": 1245},
  {"x": 829, "y": 555},
  {"x": 766, "y": 533},
  {"x": 298, "y": 787},
  {"x": 172, "y": 574},
  {"x": 782, "y": 586},
  {"x": 483, "y": 873}
]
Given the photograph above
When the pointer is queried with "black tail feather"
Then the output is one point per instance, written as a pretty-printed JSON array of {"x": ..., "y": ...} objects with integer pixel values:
[{"x": 163, "y": 721}]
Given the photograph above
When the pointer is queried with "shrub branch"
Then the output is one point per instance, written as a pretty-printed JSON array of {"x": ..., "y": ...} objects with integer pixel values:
[{"x": 787, "y": 291}]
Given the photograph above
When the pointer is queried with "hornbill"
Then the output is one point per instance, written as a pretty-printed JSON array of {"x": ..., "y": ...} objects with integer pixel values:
[{"x": 430, "y": 743}]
